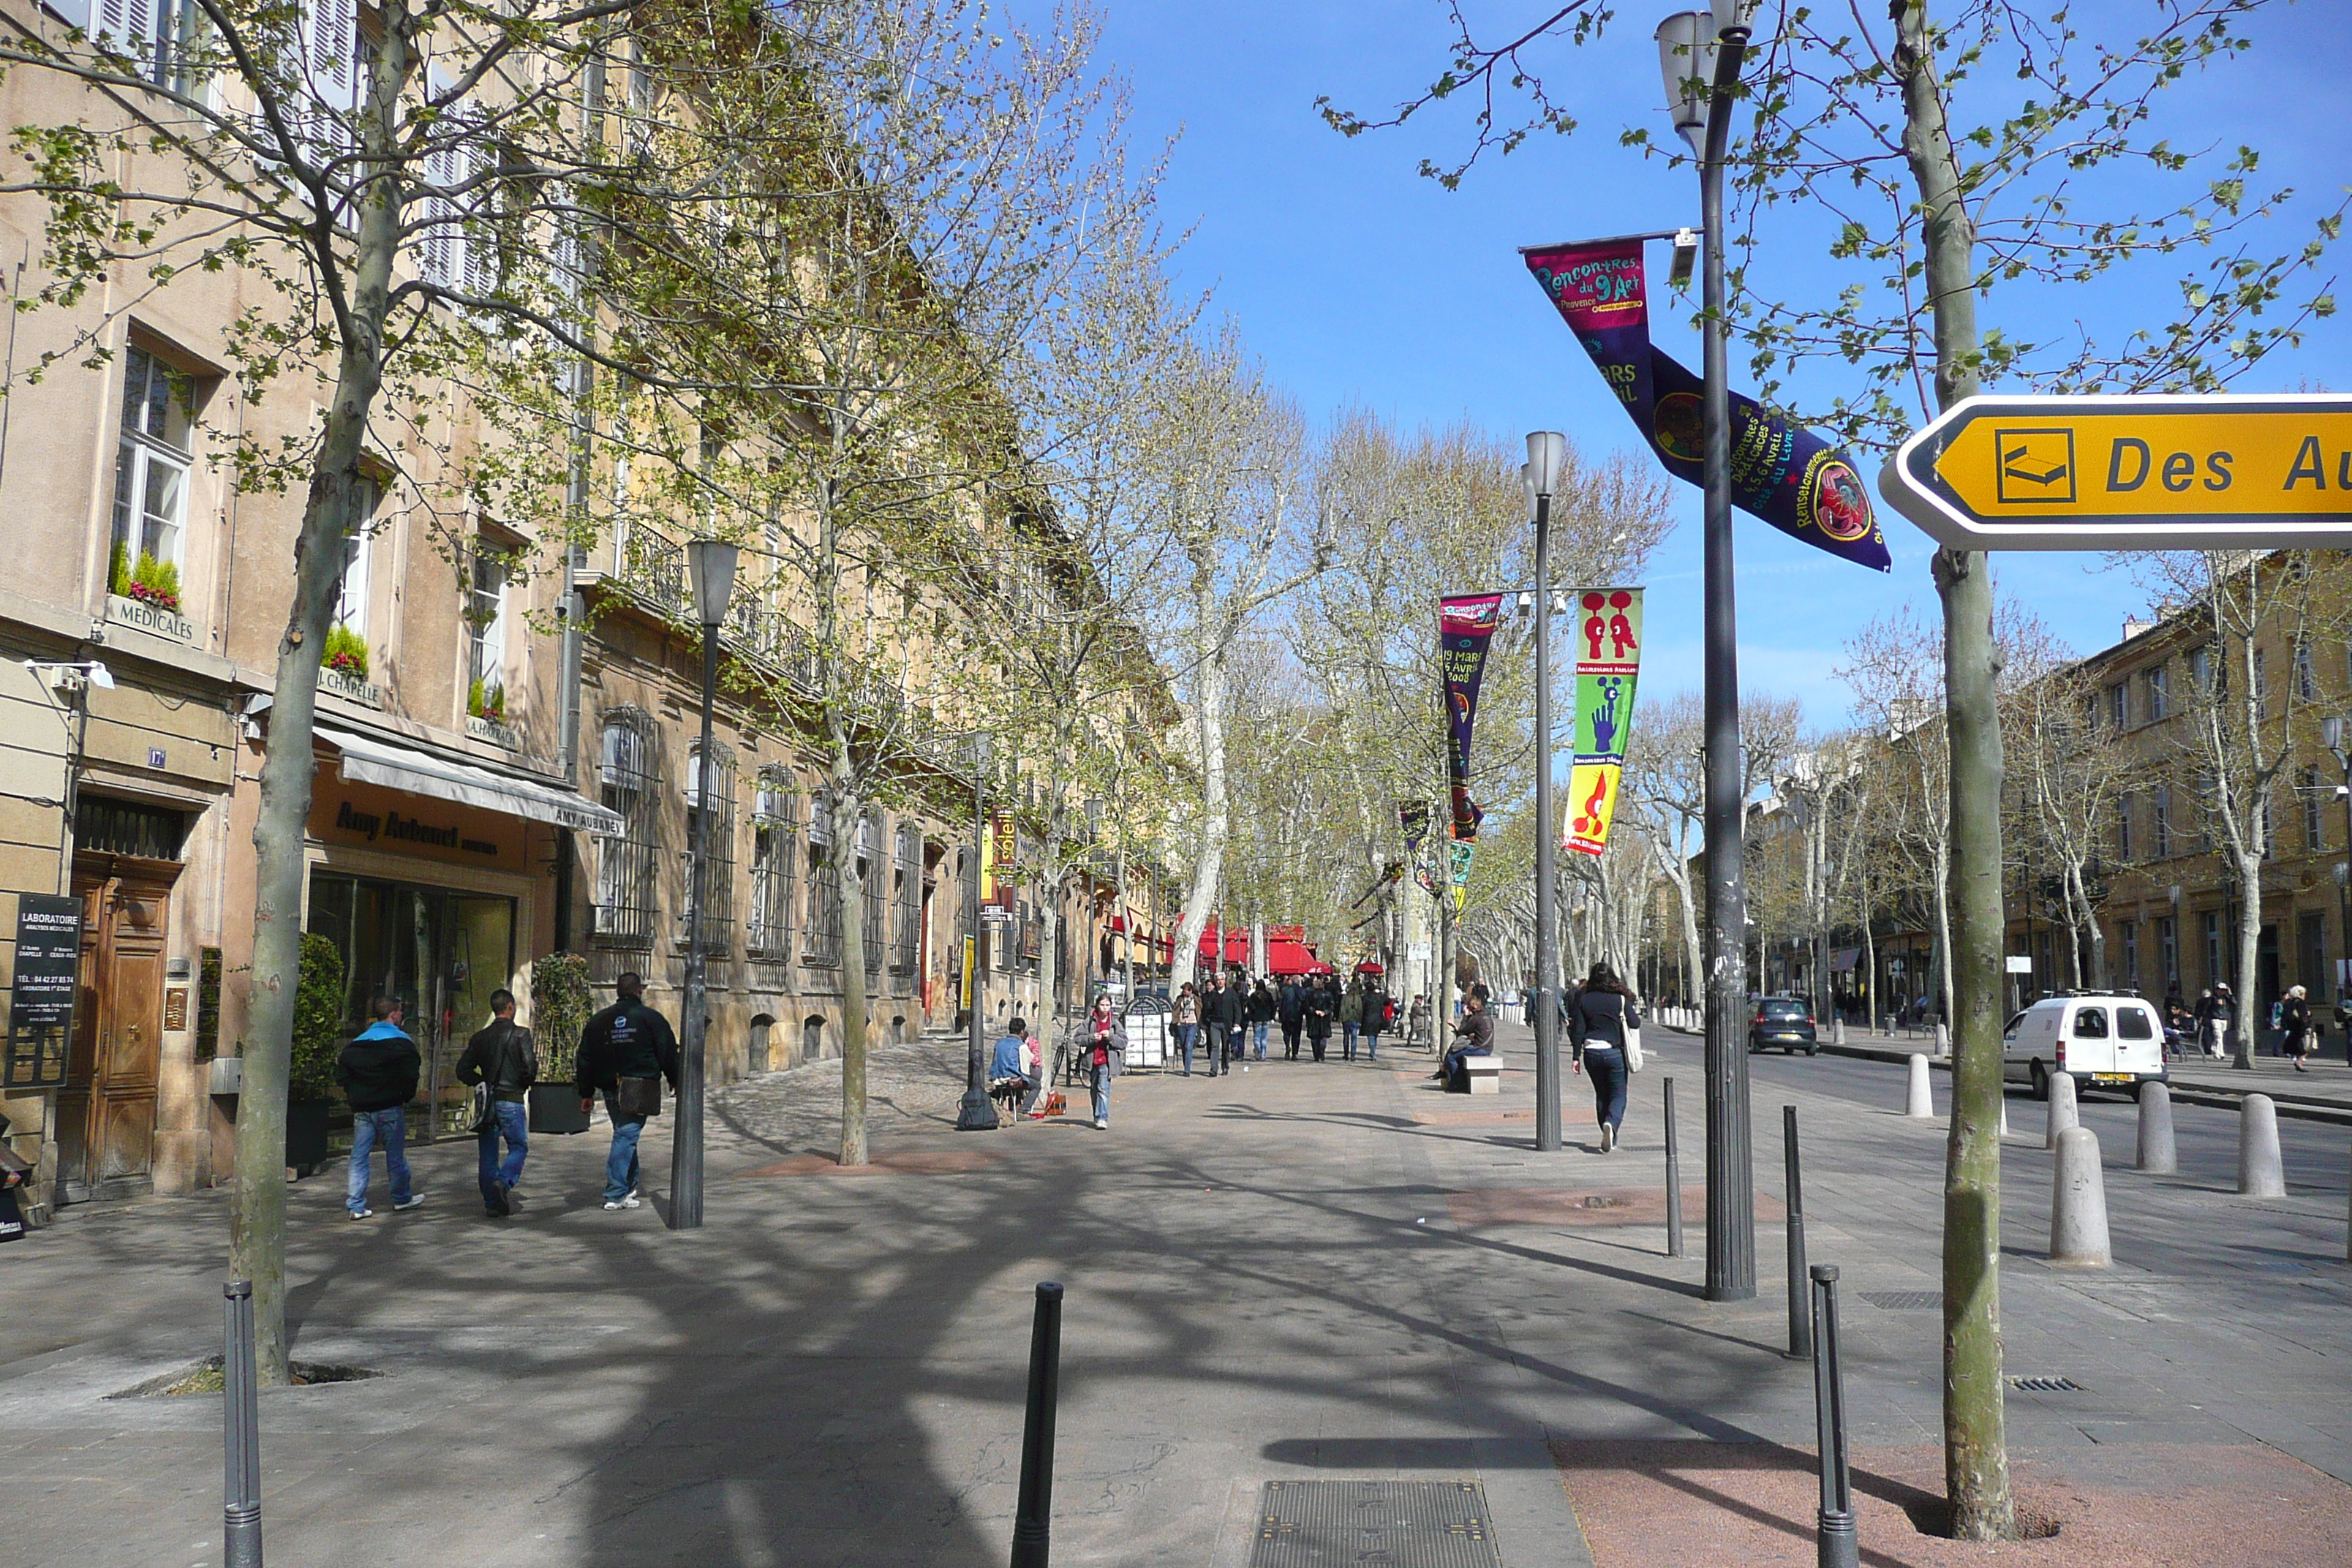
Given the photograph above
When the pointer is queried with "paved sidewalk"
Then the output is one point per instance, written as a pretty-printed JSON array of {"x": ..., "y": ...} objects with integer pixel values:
[{"x": 1302, "y": 1272}]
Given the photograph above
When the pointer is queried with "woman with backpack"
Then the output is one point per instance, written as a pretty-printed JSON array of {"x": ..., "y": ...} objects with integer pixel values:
[{"x": 1597, "y": 1024}]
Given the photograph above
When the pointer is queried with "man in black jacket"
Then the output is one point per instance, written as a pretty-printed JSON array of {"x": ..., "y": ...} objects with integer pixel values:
[
  {"x": 378, "y": 1071},
  {"x": 503, "y": 1057},
  {"x": 625, "y": 1051}
]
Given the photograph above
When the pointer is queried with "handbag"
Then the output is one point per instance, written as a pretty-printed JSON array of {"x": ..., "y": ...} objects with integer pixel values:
[
  {"x": 637, "y": 1097},
  {"x": 1633, "y": 1047},
  {"x": 485, "y": 1109}
]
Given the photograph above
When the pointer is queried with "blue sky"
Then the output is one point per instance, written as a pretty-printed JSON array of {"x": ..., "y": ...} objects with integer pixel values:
[{"x": 1360, "y": 282}]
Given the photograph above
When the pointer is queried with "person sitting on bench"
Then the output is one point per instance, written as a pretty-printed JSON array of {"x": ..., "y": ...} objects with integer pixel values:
[
  {"x": 1475, "y": 1034},
  {"x": 1012, "y": 1062}
]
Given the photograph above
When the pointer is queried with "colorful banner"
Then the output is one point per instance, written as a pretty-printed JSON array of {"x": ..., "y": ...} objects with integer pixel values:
[
  {"x": 1465, "y": 625},
  {"x": 1463, "y": 854},
  {"x": 1413, "y": 817},
  {"x": 1790, "y": 478},
  {"x": 1608, "y": 642},
  {"x": 997, "y": 852}
]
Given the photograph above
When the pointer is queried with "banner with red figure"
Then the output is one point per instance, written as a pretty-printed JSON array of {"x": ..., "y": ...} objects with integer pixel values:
[
  {"x": 1608, "y": 644},
  {"x": 1465, "y": 629},
  {"x": 1788, "y": 477}
]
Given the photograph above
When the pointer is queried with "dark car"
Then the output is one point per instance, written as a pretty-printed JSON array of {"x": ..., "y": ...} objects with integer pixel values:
[{"x": 1786, "y": 1022}]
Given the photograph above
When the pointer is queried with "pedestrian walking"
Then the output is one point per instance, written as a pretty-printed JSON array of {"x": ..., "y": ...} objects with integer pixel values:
[
  {"x": 624, "y": 1053},
  {"x": 1102, "y": 1058},
  {"x": 2297, "y": 1036},
  {"x": 1317, "y": 1011},
  {"x": 1351, "y": 1017},
  {"x": 2213, "y": 1019},
  {"x": 1376, "y": 1009},
  {"x": 1188, "y": 1023},
  {"x": 2177, "y": 1023},
  {"x": 1222, "y": 1011},
  {"x": 1416, "y": 1022},
  {"x": 378, "y": 1070},
  {"x": 1261, "y": 1015},
  {"x": 502, "y": 1062},
  {"x": 1014, "y": 1062},
  {"x": 1473, "y": 1036},
  {"x": 1596, "y": 1034},
  {"x": 1290, "y": 1006}
]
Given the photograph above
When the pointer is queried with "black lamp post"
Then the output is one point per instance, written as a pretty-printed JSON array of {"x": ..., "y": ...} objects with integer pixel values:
[
  {"x": 1700, "y": 53},
  {"x": 2334, "y": 736},
  {"x": 710, "y": 572},
  {"x": 1547, "y": 455}
]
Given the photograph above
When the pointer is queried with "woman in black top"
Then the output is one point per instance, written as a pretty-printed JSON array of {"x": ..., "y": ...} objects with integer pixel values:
[{"x": 1603, "y": 1011}]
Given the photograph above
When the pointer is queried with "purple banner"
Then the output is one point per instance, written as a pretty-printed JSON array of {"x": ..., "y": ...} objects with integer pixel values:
[
  {"x": 1788, "y": 477},
  {"x": 1465, "y": 625}
]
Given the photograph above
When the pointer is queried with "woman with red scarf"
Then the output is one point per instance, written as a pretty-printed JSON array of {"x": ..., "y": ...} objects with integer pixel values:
[{"x": 1103, "y": 1044}]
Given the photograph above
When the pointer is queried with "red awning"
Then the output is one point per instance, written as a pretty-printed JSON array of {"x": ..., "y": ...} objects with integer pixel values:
[
  {"x": 1369, "y": 969},
  {"x": 1288, "y": 955}
]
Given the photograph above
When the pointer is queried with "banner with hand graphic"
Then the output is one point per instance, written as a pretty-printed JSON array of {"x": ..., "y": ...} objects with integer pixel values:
[{"x": 1607, "y": 639}]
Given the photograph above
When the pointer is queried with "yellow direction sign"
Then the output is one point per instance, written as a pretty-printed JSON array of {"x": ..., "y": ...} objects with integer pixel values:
[{"x": 2131, "y": 473}]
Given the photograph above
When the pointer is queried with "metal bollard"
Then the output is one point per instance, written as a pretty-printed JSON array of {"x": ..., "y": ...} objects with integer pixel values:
[
  {"x": 1033, "y": 1524},
  {"x": 1674, "y": 1180},
  {"x": 240, "y": 1434},
  {"x": 1836, "y": 1546},
  {"x": 1800, "y": 1326}
]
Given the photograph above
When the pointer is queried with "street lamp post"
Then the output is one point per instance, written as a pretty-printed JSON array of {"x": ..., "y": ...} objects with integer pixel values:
[
  {"x": 711, "y": 570},
  {"x": 1700, "y": 53},
  {"x": 977, "y": 1113},
  {"x": 2333, "y": 735},
  {"x": 1546, "y": 455}
]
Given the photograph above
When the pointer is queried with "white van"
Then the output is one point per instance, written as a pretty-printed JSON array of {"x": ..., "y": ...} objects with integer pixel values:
[{"x": 2108, "y": 1040}]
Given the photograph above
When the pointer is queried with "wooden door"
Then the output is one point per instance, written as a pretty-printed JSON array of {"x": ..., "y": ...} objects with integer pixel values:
[{"x": 106, "y": 1114}]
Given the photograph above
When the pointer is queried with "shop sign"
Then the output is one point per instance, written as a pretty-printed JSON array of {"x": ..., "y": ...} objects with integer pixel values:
[{"x": 40, "y": 1007}]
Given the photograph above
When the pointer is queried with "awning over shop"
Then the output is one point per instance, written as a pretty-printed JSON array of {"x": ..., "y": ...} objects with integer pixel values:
[
  {"x": 403, "y": 768},
  {"x": 1288, "y": 955},
  {"x": 1842, "y": 961}
]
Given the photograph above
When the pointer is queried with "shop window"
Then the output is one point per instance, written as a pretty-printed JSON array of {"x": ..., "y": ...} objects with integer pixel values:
[
  {"x": 906, "y": 889},
  {"x": 486, "y": 639},
  {"x": 123, "y": 828},
  {"x": 822, "y": 946},
  {"x": 710, "y": 796},
  {"x": 626, "y": 777},
  {"x": 151, "y": 466},
  {"x": 775, "y": 868},
  {"x": 871, "y": 882}
]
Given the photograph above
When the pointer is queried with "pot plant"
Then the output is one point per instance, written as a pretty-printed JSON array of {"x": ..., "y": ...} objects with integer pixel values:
[
  {"x": 560, "y": 1005},
  {"x": 318, "y": 1041}
]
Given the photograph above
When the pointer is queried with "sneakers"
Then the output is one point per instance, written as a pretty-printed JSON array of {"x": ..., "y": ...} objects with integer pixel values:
[
  {"x": 363, "y": 1214},
  {"x": 1608, "y": 1138},
  {"x": 1100, "y": 1125},
  {"x": 613, "y": 1205},
  {"x": 414, "y": 1201}
]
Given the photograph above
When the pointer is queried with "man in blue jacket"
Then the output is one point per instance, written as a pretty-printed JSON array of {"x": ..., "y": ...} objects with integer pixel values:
[
  {"x": 1007, "y": 1063},
  {"x": 378, "y": 1071}
]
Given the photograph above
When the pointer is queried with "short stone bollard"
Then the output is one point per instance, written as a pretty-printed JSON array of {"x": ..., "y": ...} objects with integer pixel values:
[
  {"x": 2063, "y": 1114},
  {"x": 2157, "y": 1156},
  {"x": 1837, "y": 1031},
  {"x": 1943, "y": 1039},
  {"x": 1920, "y": 1104},
  {"x": 2078, "y": 1204},
  {"x": 2261, "y": 1173},
  {"x": 2004, "y": 1115}
]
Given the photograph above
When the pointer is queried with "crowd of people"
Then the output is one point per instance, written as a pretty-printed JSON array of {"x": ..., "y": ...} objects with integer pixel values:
[{"x": 1224, "y": 1020}]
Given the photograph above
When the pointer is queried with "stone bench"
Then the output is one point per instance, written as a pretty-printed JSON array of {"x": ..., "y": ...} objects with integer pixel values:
[{"x": 1486, "y": 1074}]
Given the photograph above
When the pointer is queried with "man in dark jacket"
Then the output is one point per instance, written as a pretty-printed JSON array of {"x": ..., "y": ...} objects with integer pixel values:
[
  {"x": 503, "y": 1057},
  {"x": 1317, "y": 1011},
  {"x": 1290, "y": 1005},
  {"x": 378, "y": 1071},
  {"x": 1376, "y": 1017},
  {"x": 1216, "y": 1023},
  {"x": 627, "y": 1041},
  {"x": 1261, "y": 1016}
]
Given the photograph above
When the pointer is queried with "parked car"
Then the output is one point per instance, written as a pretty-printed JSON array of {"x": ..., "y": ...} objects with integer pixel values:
[
  {"x": 2103, "y": 1039},
  {"x": 1786, "y": 1022}
]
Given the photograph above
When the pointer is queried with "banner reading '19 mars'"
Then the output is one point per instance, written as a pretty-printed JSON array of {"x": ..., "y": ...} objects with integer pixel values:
[
  {"x": 1466, "y": 626},
  {"x": 1608, "y": 645},
  {"x": 1790, "y": 478}
]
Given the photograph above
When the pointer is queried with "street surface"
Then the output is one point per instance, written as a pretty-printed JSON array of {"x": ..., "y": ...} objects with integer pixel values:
[{"x": 1303, "y": 1272}]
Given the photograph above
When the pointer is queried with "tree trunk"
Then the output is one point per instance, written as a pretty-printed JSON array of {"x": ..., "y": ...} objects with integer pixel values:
[
  {"x": 1216, "y": 814},
  {"x": 850, "y": 893},
  {"x": 258, "y": 1206},
  {"x": 1976, "y": 1448},
  {"x": 2249, "y": 943}
]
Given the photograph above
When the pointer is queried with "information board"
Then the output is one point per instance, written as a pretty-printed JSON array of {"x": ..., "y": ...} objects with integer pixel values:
[{"x": 40, "y": 1007}]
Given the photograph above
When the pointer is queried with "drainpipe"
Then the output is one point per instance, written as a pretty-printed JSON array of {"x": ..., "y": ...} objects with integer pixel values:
[{"x": 577, "y": 513}]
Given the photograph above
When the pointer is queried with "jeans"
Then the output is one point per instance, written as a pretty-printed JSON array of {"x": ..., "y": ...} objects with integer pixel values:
[
  {"x": 510, "y": 1121},
  {"x": 1372, "y": 1044},
  {"x": 1457, "y": 1076},
  {"x": 1605, "y": 1065},
  {"x": 370, "y": 1127},
  {"x": 1031, "y": 1088},
  {"x": 1260, "y": 1029},
  {"x": 1348, "y": 1040},
  {"x": 1102, "y": 1095},
  {"x": 1212, "y": 1039},
  {"x": 620, "y": 1164},
  {"x": 1185, "y": 1035}
]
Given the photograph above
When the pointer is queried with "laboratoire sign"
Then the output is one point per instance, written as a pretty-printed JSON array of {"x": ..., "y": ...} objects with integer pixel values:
[
  {"x": 41, "y": 1000},
  {"x": 2131, "y": 473}
]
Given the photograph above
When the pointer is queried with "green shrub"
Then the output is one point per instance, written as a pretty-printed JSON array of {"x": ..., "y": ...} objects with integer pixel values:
[
  {"x": 487, "y": 701},
  {"x": 118, "y": 570},
  {"x": 154, "y": 581},
  {"x": 318, "y": 1020},
  {"x": 560, "y": 1005},
  {"x": 346, "y": 652}
]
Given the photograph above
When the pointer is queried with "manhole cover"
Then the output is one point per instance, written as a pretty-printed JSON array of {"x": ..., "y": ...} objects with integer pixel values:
[
  {"x": 2045, "y": 1385},
  {"x": 1604, "y": 1201},
  {"x": 1401, "y": 1524},
  {"x": 1904, "y": 1301}
]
